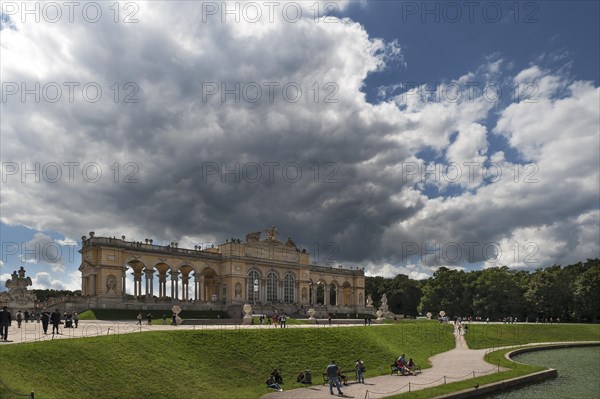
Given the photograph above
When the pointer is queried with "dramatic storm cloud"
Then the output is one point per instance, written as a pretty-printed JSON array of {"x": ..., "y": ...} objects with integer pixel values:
[{"x": 184, "y": 127}]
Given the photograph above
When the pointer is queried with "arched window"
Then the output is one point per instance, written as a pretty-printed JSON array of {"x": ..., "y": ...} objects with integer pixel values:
[
  {"x": 272, "y": 282},
  {"x": 289, "y": 289},
  {"x": 333, "y": 295},
  {"x": 253, "y": 281},
  {"x": 320, "y": 294}
]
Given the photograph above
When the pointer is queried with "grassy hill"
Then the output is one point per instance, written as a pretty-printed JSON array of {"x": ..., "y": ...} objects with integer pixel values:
[
  {"x": 208, "y": 364},
  {"x": 493, "y": 335}
]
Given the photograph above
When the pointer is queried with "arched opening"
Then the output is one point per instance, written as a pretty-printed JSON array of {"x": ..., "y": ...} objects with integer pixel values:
[
  {"x": 160, "y": 279},
  {"x": 272, "y": 283},
  {"x": 185, "y": 276},
  {"x": 289, "y": 289},
  {"x": 133, "y": 280},
  {"x": 253, "y": 288},
  {"x": 320, "y": 293},
  {"x": 333, "y": 294},
  {"x": 208, "y": 282}
]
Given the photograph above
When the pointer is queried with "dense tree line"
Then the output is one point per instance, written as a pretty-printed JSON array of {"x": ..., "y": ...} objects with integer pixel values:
[
  {"x": 43, "y": 295},
  {"x": 571, "y": 293}
]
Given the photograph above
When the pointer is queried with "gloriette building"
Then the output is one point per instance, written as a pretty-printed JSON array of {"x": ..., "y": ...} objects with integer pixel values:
[{"x": 266, "y": 273}]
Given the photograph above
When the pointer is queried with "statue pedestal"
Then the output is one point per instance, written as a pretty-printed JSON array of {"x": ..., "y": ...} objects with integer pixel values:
[{"x": 247, "y": 319}]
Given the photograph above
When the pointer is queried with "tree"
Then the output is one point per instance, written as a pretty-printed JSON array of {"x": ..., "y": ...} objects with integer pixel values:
[
  {"x": 587, "y": 293},
  {"x": 498, "y": 294},
  {"x": 549, "y": 293},
  {"x": 445, "y": 291}
]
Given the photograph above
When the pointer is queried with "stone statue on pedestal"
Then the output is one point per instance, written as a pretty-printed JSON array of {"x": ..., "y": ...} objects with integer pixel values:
[{"x": 17, "y": 295}]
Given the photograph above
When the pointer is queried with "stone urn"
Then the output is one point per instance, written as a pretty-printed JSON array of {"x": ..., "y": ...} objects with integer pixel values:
[
  {"x": 429, "y": 314},
  {"x": 379, "y": 318},
  {"x": 176, "y": 310},
  {"x": 311, "y": 313},
  {"x": 247, "y": 320}
]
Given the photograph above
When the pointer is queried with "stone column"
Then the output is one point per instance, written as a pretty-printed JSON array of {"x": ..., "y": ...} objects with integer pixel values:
[
  {"x": 172, "y": 286},
  {"x": 163, "y": 285},
  {"x": 150, "y": 283},
  {"x": 185, "y": 286},
  {"x": 124, "y": 282},
  {"x": 92, "y": 285},
  {"x": 195, "y": 287},
  {"x": 202, "y": 288},
  {"x": 325, "y": 294}
]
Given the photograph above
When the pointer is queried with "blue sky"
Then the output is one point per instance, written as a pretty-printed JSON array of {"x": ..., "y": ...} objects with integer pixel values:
[{"x": 392, "y": 71}]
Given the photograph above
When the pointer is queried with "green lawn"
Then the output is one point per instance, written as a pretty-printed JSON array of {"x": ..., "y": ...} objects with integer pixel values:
[
  {"x": 208, "y": 364},
  {"x": 493, "y": 335}
]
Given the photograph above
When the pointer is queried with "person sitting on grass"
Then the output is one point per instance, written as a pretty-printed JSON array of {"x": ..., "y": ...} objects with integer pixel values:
[
  {"x": 277, "y": 376},
  {"x": 271, "y": 383}
]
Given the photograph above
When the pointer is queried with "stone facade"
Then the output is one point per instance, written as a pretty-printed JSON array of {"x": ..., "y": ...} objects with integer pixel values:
[{"x": 259, "y": 272}]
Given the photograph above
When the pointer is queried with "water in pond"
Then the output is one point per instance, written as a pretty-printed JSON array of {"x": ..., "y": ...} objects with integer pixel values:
[{"x": 578, "y": 374}]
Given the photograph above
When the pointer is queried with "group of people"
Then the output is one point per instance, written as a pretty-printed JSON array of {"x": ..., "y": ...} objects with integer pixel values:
[
  {"x": 149, "y": 318},
  {"x": 45, "y": 317},
  {"x": 275, "y": 380},
  {"x": 277, "y": 319},
  {"x": 333, "y": 372},
  {"x": 403, "y": 366}
]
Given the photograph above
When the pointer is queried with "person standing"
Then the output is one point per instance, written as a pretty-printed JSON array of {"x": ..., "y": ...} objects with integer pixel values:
[
  {"x": 55, "y": 320},
  {"x": 283, "y": 320},
  {"x": 139, "y": 319},
  {"x": 360, "y": 370},
  {"x": 26, "y": 314},
  {"x": 19, "y": 319},
  {"x": 76, "y": 319},
  {"x": 45, "y": 320},
  {"x": 5, "y": 321},
  {"x": 333, "y": 376}
]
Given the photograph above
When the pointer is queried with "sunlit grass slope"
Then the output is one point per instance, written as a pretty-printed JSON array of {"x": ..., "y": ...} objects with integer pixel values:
[{"x": 207, "y": 364}]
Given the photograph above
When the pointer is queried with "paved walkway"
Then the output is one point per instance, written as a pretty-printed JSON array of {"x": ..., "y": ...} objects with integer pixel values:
[{"x": 460, "y": 363}]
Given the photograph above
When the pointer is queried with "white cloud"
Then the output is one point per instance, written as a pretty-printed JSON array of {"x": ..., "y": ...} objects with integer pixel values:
[{"x": 166, "y": 140}]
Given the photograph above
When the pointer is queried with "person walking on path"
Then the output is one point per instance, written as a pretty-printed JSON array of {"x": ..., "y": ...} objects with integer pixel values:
[
  {"x": 19, "y": 319},
  {"x": 45, "y": 317},
  {"x": 360, "y": 370},
  {"x": 55, "y": 320},
  {"x": 333, "y": 376},
  {"x": 139, "y": 319},
  {"x": 76, "y": 319},
  {"x": 5, "y": 321}
]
